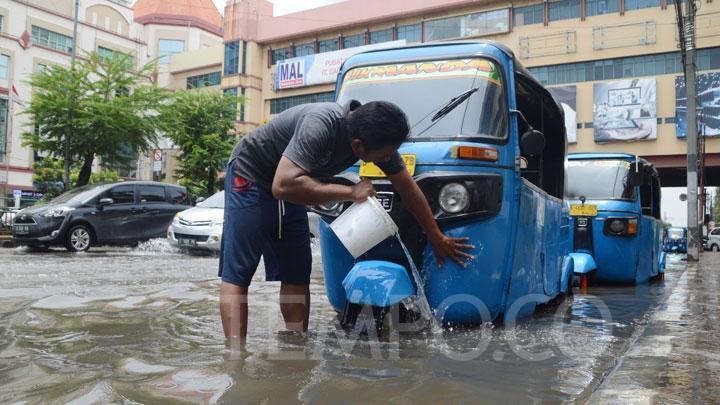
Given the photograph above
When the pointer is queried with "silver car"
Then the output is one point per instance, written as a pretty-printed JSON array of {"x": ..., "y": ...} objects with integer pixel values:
[
  {"x": 713, "y": 240},
  {"x": 200, "y": 227}
]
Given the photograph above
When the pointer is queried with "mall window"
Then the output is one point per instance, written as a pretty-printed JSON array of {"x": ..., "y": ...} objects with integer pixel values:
[
  {"x": 563, "y": 9},
  {"x": 527, "y": 15},
  {"x": 410, "y": 33},
  {"x": 470, "y": 25},
  {"x": 242, "y": 104},
  {"x": 232, "y": 52},
  {"x": 51, "y": 39},
  {"x": 205, "y": 80},
  {"x": 307, "y": 48},
  {"x": 2, "y": 23},
  {"x": 328, "y": 45},
  {"x": 638, "y": 4},
  {"x": 168, "y": 47},
  {"x": 377, "y": 37},
  {"x": 279, "y": 105},
  {"x": 3, "y": 123},
  {"x": 597, "y": 7},
  {"x": 634, "y": 66},
  {"x": 351, "y": 41},
  {"x": 4, "y": 67},
  {"x": 244, "y": 57},
  {"x": 280, "y": 54}
]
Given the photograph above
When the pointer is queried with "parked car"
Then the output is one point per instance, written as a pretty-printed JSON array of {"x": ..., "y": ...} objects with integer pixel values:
[
  {"x": 200, "y": 227},
  {"x": 713, "y": 240},
  {"x": 116, "y": 213},
  {"x": 6, "y": 218}
]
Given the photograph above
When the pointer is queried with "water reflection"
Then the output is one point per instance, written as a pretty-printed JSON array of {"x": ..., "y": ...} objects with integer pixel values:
[{"x": 117, "y": 325}]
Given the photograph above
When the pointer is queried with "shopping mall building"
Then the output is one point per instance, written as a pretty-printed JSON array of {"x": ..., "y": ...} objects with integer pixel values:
[{"x": 602, "y": 58}]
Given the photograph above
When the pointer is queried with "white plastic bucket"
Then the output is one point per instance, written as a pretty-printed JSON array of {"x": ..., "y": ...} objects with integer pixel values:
[{"x": 363, "y": 225}]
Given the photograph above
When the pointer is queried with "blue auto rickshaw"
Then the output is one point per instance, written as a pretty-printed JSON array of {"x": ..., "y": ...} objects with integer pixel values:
[
  {"x": 675, "y": 240},
  {"x": 488, "y": 149},
  {"x": 614, "y": 209}
]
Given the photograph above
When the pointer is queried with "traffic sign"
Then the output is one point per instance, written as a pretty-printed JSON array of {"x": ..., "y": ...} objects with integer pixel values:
[
  {"x": 158, "y": 155},
  {"x": 17, "y": 193},
  {"x": 157, "y": 166}
]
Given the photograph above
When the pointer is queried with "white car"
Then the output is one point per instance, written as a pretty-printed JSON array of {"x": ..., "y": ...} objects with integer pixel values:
[
  {"x": 713, "y": 240},
  {"x": 200, "y": 227}
]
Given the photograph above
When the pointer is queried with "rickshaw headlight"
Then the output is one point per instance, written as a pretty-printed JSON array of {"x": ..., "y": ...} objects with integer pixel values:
[
  {"x": 617, "y": 226},
  {"x": 454, "y": 198}
]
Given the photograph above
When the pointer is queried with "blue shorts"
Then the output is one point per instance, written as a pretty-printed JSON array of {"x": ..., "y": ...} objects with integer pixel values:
[{"x": 255, "y": 225}]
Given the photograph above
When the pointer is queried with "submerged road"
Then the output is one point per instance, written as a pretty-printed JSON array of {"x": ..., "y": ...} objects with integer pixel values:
[{"x": 141, "y": 325}]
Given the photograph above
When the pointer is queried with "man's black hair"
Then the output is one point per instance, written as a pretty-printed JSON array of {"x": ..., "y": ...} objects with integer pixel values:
[{"x": 377, "y": 124}]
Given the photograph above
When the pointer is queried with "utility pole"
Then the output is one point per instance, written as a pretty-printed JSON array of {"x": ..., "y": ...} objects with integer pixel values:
[
  {"x": 66, "y": 177},
  {"x": 686, "y": 29}
]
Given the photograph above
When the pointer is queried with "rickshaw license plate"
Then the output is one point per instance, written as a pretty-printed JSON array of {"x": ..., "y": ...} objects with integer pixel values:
[
  {"x": 583, "y": 210},
  {"x": 368, "y": 169},
  {"x": 386, "y": 200}
]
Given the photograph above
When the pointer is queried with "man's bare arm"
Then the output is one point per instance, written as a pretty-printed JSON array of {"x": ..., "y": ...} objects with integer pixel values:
[{"x": 293, "y": 184}]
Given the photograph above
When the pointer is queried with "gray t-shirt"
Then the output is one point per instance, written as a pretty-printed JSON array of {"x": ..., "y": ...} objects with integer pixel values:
[{"x": 312, "y": 136}]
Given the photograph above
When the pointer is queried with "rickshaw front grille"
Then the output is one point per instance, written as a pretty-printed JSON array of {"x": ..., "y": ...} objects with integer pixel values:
[{"x": 582, "y": 234}]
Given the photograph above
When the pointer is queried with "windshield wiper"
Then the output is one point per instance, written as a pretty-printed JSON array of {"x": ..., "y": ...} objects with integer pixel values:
[{"x": 454, "y": 102}]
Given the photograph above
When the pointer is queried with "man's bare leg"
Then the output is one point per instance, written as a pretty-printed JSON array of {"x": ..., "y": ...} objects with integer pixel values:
[
  {"x": 295, "y": 306},
  {"x": 234, "y": 311}
]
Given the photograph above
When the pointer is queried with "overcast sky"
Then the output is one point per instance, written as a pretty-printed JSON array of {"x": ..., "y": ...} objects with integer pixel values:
[{"x": 286, "y": 6}]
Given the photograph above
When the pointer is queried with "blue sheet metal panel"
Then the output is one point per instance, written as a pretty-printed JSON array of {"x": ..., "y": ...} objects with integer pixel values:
[
  {"x": 556, "y": 232},
  {"x": 616, "y": 256},
  {"x": 486, "y": 276},
  {"x": 378, "y": 283},
  {"x": 337, "y": 262},
  {"x": 583, "y": 263},
  {"x": 527, "y": 276}
]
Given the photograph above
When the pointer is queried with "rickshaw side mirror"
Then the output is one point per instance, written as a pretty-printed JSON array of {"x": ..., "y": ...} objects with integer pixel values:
[
  {"x": 636, "y": 176},
  {"x": 532, "y": 142}
]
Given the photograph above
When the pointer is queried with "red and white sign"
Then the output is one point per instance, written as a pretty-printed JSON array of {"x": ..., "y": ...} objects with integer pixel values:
[{"x": 157, "y": 155}]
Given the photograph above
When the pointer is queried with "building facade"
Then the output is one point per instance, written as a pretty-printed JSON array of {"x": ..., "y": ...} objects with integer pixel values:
[
  {"x": 607, "y": 60},
  {"x": 36, "y": 34}
]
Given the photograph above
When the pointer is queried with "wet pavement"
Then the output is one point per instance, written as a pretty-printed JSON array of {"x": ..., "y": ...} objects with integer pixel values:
[
  {"x": 676, "y": 359},
  {"x": 142, "y": 326}
]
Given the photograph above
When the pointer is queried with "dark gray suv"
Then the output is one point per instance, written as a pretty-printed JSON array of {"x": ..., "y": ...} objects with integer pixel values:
[{"x": 113, "y": 214}]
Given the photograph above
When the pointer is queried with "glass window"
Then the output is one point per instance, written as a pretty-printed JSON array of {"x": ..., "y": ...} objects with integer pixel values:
[
  {"x": 152, "y": 194},
  {"x": 242, "y": 104},
  {"x": 232, "y": 51},
  {"x": 216, "y": 200},
  {"x": 527, "y": 15},
  {"x": 106, "y": 54},
  {"x": 410, "y": 33},
  {"x": 279, "y": 105},
  {"x": 178, "y": 195},
  {"x": 168, "y": 47},
  {"x": 352, "y": 41},
  {"x": 50, "y": 39},
  {"x": 563, "y": 9},
  {"x": 377, "y": 37},
  {"x": 279, "y": 54},
  {"x": 638, "y": 4},
  {"x": 470, "y": 25},
  {"x": 597, "y": 7},
  {"x": 244, "y": 58},
  {"x": 328, "y": 45},
  {"x": 232, "y": 92},
  {"x": 307, "y": 48},
  {"x": 2, "y": 23},
  {"x": 4, "y": 67},
  {"x": 206, "y": 80},
  {"x": 3, "y": 123},
  {"x": 598, "y": 179},
  {"x": 122, "y": 194},
  {"x": 483, "y": 113}
]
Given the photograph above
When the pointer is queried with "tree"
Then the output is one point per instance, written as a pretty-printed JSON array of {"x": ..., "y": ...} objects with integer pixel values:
[
  {"x": 113, "y": 109},
  {"x": 48, "y": 176},
  {"x": 715, "y": 215},
  {"x": 200, "y": 123}
]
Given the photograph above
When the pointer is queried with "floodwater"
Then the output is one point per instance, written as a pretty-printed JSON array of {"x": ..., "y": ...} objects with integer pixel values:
[{"x": 142, "y": 326}]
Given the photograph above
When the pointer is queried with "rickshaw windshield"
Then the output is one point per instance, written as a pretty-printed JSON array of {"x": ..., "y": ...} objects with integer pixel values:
[
  {"x": 675, "y": 233},
  {"x": 421, "y": 89},
  {"x": 599, "y": 179}
]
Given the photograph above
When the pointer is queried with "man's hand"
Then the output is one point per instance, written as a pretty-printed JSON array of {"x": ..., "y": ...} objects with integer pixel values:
[
  {"x": 445, "y": 246},
  {"x": 363, "y": 190}
]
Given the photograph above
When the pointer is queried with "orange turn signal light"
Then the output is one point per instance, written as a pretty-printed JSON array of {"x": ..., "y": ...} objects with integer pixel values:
[
  {"x": 477, "y": 153},
  {"x": 632, "y": 227}
]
